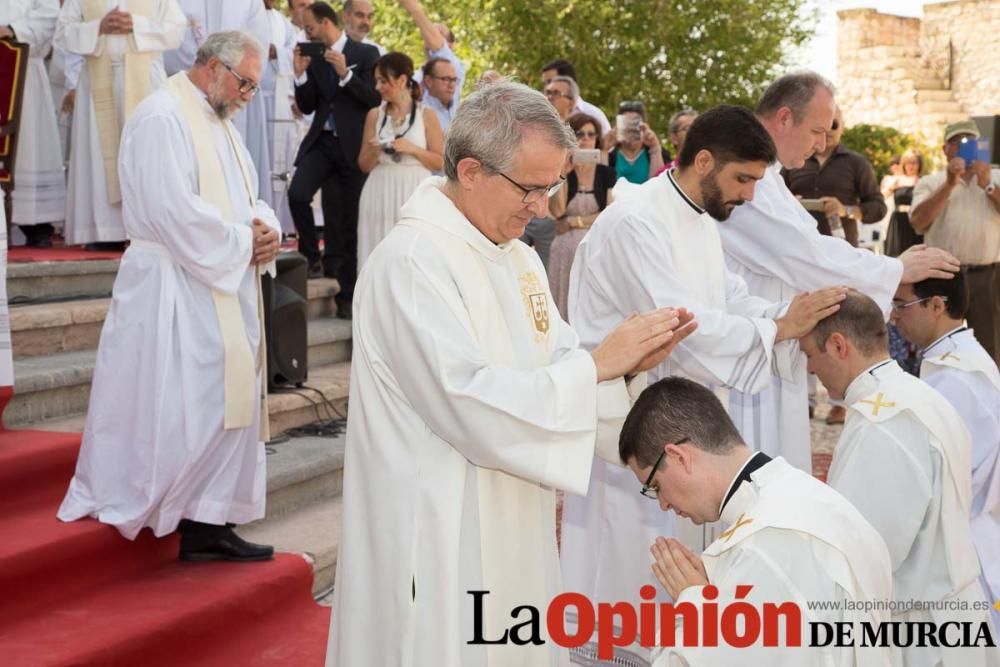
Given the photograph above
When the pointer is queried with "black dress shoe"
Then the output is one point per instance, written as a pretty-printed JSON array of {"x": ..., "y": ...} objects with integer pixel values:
[
  {"x": 344, "y": 310},
  {"x": 206, "y": 542}
]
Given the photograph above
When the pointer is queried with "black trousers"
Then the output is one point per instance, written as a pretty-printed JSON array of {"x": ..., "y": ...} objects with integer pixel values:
[
  {"x": 326, "y": 166},
  {"x": 983, "y": 315}
]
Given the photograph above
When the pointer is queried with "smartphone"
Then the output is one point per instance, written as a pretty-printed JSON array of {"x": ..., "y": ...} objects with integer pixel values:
[
  {"x": 312, "y": 49},
  {"x": 972, "y": 149},
  {"x": 628, "y": 127},
  {"x": 586, "y": 156}
]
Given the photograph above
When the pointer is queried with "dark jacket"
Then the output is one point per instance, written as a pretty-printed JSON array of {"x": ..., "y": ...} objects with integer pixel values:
[
  {"x": 846, "y": 175},
  {"x": 322, "y": 94}
]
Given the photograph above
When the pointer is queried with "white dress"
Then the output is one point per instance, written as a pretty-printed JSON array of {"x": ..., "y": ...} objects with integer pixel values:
[
  {"x": 39, "y": 178},
  {"x": 390, "y": 183}
]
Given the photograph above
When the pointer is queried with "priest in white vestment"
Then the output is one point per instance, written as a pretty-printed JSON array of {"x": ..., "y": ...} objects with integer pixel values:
[
  {"x": 175, "y": 425},
  {"x": 659, "y": 245},
  {"x": 277, "y": 88},
  {"x": 64, "y": 73},
  {"x": 39, "y": 197},
  {"x": 6, "y": 352},
  {"x": 793, "y": 538},
  {"x": 205, "y": 17},
  {"x": 471, "y": 404},
  {"x": 122, "y": 42},
  {"x": 904, "y": 460},
  {"x": 773, "y": 243},
  {"x": 931, "y": 315}
]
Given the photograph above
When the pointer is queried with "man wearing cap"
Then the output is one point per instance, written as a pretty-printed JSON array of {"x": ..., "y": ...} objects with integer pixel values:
[{"x": 958, "y": 209}]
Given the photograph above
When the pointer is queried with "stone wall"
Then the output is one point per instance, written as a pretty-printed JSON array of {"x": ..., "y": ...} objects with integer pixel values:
[
  {"x": 973, "y": 27},
  {"x": 900, "y": 72}
]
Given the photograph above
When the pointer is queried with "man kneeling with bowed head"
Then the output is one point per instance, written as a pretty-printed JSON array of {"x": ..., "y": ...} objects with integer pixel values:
[{"x": 791, "y": 537}]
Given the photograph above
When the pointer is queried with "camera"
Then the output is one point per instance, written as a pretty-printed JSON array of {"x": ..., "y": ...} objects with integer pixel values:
[{"x": 387, "y": 147}]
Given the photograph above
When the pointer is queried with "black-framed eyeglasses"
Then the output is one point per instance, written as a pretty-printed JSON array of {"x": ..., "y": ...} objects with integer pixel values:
[
  {"x": 246, "y": 85},
  {"x": 900, "y": 306},
  {"x": 446, "y": 79},
  {"x": 648, "y": 490},
  {"x": 532, "y": 195}
]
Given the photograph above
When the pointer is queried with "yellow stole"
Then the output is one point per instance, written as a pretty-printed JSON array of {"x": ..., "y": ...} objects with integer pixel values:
[
  {"x": 137, "y": 86},
  {"x": 241, "y": 369}
]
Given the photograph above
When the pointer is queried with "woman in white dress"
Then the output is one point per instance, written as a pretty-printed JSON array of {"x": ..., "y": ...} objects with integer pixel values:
[{"x": 402, "y": 145}]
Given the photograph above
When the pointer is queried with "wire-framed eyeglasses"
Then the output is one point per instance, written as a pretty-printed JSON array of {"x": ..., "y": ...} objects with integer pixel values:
[
  {"x": 532, "y": 195},
  {"x": 648, "y": 490}
]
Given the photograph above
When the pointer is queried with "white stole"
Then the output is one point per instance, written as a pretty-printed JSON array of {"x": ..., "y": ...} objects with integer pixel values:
[
  {"x": 241, "y": 371},
  {"x": 512, "y": 529},
  {"x": 137, "y": 85}
]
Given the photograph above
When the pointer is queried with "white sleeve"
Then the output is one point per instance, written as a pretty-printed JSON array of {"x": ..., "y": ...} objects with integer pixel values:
[
  {"x": 37, "y": 25},
  {"x": 163, "y": 194},
  {"x": 782, "y": 241}
]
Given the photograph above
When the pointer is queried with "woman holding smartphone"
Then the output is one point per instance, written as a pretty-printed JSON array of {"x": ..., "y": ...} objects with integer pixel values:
[
  {"x": 576, "y": 206},
  {"x": 402, "y": 145}
]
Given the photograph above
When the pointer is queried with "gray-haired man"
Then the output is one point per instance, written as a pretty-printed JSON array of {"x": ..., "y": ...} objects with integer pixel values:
[{"x": 471, "y": 403}]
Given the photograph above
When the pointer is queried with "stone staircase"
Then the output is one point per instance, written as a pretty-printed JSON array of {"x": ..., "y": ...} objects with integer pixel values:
[
  {"x": 57, "y": 311},
  {"x": 923, "y": 102}
]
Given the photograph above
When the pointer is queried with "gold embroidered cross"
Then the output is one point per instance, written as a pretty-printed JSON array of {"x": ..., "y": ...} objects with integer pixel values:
[
  {"x": 739, "y": 522},
  {"x": 949, "y": 354},
  {"x": 877, "y": 403}
]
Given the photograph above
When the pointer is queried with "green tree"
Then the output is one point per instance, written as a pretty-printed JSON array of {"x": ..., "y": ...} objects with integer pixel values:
[{"x": 668, "y": 53}]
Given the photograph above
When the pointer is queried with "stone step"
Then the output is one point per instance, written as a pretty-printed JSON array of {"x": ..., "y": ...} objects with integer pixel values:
[
  {"x": 941, "y": 106},
  {"x": 926, "y": 82},
  {"x": 303, "y": 471},
  {"x": 35, "y": 281},
  {"x": 923, "y": 96},
  {"x": 57, "y": 386},
  {"x": 313, "y": 529},
  {"x": 65, "y": 326}
]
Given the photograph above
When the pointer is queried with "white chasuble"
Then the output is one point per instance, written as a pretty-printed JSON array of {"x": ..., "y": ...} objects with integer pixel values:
[
  {"x": 773, "y": 244},
  {"x": 958, "y": 367},
  {"x": 793, "y": 539},
  {"x": 904, "y": 460},
  {"x": 471, "y": 404},
  {"x": 156, "y": 447}
]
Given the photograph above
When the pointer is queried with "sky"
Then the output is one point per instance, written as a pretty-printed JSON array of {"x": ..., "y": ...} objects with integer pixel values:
[{"x": 821, "y": 53}]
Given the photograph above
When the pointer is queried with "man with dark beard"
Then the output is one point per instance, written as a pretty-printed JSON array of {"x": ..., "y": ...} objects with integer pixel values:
[
  {"x": 178, "y": 443},
  {"x": 658, "y": 245}
]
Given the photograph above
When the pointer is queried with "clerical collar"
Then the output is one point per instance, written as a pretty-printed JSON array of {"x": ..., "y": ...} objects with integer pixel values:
[
  {"x": 867, "y": 381},
  {"x": 956, "y": 330},
  {"x": 670, "y": 176},
  {"x": 751, "y": 465},
  {"x": 874, "y": 367}
]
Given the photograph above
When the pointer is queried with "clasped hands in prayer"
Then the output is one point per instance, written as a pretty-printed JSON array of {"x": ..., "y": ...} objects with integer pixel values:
[
  {"x": 676, "y": 567},
  {"x": 642, "y": 342},
  {"x": 116, "y": 22},
  {"x": 266, "y": 243}
]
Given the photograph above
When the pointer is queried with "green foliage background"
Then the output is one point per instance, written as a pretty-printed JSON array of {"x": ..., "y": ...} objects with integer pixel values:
[
  {"x": 668, "y": 53},
  {"x": 880, "y": 144}
]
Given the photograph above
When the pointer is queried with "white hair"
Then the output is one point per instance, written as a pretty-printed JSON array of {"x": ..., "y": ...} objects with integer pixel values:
[{"x": 231, "y": 47}]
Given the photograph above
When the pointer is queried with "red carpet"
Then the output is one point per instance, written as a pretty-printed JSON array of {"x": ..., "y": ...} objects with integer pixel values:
[
  {"x": 80, "y": 594},
  {"x": 57, "y": 254}
]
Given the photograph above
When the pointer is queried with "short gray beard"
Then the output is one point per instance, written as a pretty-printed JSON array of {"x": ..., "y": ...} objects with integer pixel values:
[{"x": 224, "y": 110}]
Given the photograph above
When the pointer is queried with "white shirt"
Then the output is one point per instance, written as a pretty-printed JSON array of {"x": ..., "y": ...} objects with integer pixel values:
[
  {"x": 969, "y": 225},
  {"x": 593, "y": 110}
]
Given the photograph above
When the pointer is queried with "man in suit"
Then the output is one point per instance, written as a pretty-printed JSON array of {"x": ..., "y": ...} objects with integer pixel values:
[{"x": 338, "y": 90}]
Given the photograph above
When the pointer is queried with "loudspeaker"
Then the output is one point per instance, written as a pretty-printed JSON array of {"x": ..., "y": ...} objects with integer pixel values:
[
  {"x": 989, "y": 128},
  {"x": 285, "y": 317}
]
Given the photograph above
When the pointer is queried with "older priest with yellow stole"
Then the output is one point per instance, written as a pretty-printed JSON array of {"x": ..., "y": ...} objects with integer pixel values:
[
  {"x": 122, "y": 42},
  {"x": 176, "y": 421}
]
